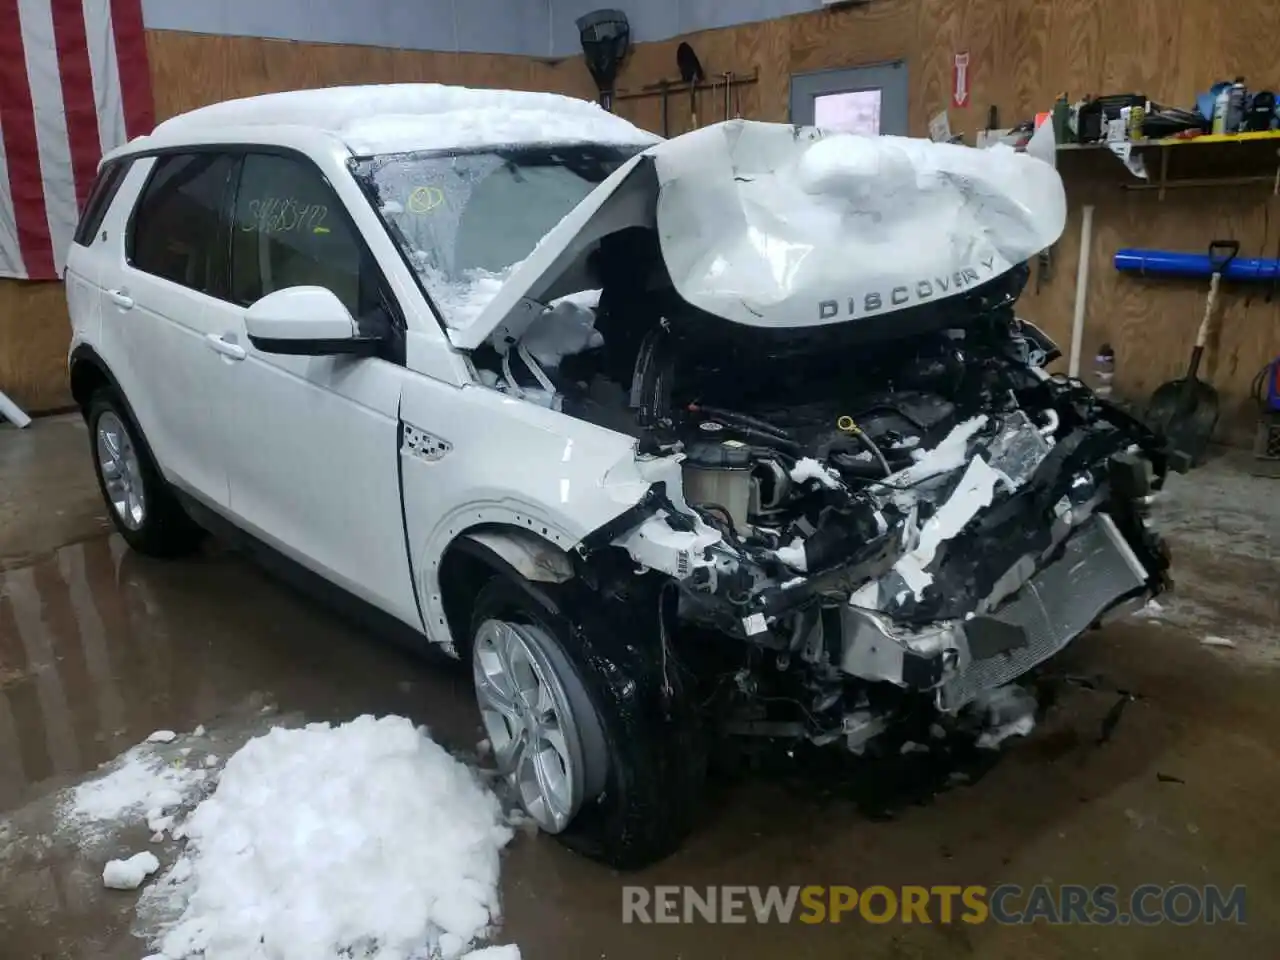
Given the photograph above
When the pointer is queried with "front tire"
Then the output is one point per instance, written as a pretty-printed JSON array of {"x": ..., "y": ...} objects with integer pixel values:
[
  {"x": 141, "y": 504},
  {"x": 623, "y": 762}
]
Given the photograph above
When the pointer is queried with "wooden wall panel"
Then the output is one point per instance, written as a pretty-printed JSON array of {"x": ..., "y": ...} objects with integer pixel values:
[
  {"x": 34, "y": 334},
  {"x": 1023, "y": 54},
  {"x": 190, "y": 70}
]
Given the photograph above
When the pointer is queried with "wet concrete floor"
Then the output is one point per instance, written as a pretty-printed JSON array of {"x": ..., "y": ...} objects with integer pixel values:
[{"x": 99, "y": 647}]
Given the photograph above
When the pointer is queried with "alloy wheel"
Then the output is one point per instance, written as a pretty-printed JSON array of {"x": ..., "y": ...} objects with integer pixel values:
[
  {"x": 530, "y": 721},
  {"x": 121, "y": 471}
]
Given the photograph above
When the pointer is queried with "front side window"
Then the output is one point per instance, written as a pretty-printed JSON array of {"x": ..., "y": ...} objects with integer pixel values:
[
  {"x": 177, "y": 230},
  {"x": 288, "y": 230},
  {"x": 465, "y": 221}
]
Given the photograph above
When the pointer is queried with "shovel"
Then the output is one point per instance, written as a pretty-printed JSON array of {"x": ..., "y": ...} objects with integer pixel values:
[
  {"x": 1185, "y": 411},
  {"x": 691, "y": 72}
]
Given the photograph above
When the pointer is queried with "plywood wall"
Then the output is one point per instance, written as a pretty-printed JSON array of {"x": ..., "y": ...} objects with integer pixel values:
[{"x": 1022, "y": 54}]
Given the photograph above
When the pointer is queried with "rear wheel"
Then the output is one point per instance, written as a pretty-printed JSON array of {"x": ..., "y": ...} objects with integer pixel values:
[
  {"x": 600, "y": 746},
  {"x": 140, "y": 502}
]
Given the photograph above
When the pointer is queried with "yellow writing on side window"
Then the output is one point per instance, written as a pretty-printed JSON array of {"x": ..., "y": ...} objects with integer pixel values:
[{"x": 285, "y": 215}]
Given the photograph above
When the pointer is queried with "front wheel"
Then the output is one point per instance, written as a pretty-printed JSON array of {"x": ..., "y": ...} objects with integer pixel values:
[
  {"x": 600, "y": 746},
  {"x": 142, "y": 506}
]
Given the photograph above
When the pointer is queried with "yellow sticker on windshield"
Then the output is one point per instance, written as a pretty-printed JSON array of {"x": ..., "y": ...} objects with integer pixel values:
[{"x": 425, "y": 199}]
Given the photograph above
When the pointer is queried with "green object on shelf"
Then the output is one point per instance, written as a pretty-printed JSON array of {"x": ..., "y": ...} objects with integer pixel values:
[{"x": 1061, "y": 115}]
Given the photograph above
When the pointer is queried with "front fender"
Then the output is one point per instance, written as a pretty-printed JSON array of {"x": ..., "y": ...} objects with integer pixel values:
[{"x": 475, "y": 457}]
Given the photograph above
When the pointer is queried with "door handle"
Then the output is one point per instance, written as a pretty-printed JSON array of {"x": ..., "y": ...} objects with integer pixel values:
[
  {"x": 121, "y": 299},
  {"x": 232, "y": 351}
]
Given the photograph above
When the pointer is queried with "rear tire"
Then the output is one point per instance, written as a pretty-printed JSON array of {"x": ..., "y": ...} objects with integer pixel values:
[
  {"x": 641, "y": 747},
  {"x": 141, "y": 504}
]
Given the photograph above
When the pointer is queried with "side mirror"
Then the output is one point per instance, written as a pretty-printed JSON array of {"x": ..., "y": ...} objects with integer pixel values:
[{"x": 308, "y": 322}]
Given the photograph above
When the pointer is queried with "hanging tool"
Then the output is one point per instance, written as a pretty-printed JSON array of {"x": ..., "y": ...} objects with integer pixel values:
[
  {"x": 606, "y": 41},
  {"x": 728, "y": 93},
  {"x": 1186, "y": 411},
  {"x": 691, "y": 72},
  {"x": 663, "y": 86}
]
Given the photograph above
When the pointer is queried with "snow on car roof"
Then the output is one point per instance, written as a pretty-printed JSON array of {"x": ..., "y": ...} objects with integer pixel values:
[{"x": 392, "y": 118}]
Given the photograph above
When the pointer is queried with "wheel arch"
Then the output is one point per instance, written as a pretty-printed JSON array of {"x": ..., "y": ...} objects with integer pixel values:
[
  {"x": 472, "y": 557},
  {"x": 88, "y": 372}
]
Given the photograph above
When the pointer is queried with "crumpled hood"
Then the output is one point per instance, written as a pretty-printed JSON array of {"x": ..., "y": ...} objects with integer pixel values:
[{"x": 772, "y": 225}]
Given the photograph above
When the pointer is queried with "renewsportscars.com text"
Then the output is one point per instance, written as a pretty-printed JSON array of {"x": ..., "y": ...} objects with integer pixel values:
[{"x": 1145, "y": 905}]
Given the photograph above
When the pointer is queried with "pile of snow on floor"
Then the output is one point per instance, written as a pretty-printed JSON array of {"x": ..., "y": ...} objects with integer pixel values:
[
  {"x": 140, "y": 783},
  {"x": 361, "y": 840}
]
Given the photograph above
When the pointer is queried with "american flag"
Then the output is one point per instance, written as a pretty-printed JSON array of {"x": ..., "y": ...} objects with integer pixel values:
[{"x": 74, "y": 83}]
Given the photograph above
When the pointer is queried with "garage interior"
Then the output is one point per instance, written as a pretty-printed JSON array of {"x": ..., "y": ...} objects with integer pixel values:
[{"x": 1154, "y": 763}]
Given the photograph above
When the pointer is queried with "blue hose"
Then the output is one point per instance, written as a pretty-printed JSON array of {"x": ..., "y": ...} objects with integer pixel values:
[{"x": 1167, "y": 263}]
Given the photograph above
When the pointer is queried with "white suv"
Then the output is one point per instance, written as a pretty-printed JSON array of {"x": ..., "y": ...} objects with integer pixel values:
[{"x": 731, "y": 433}]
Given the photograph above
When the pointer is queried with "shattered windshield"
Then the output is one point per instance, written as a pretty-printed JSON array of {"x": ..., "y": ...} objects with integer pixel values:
[{"x": 465, "y": 221}]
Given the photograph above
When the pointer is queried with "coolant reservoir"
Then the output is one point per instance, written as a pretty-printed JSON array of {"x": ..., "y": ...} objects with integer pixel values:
[{"x": 718, "y": 474}]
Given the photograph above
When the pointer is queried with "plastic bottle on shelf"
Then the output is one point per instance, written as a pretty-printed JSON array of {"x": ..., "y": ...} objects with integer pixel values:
[
  {"x": 1061, "y": 115},
  {"x": 1237, "y": 93},
  {"x": 1104, "y": 370},
  {"x": 1138, "y": 120},
  {"x": 1221, "y": 107}
]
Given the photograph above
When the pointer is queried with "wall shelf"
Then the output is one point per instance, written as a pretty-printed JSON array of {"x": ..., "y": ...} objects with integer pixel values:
[
  {"x": 1207, "y": 139},
  {"x": 1220, "y": 160}
]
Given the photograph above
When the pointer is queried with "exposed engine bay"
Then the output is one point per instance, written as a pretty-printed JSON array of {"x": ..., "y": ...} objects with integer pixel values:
[{"x": 872, "y": 513}]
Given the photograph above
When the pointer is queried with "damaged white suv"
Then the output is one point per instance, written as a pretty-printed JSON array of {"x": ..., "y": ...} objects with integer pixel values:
[{"x": 735, "y": 433}]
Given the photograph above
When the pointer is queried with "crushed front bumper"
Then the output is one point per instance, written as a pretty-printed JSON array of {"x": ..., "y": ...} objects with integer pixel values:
[{"x": 1097, "y": 574}]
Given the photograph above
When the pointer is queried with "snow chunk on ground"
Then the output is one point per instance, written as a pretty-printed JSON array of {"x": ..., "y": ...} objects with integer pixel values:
[
  {"x": 807, "y": 469},
  {"x": 162, "y": 736},
  {"x": 1021, "y": 727},
  {"x": 1212, "y": 641},
  {"x": 365, "y": 839},
  {"x": 1008, "y": 711},
  {"x": 129, "y": 874},
  {"x": 1152, "y": 611},
  {"x": 140, "y": 781}
]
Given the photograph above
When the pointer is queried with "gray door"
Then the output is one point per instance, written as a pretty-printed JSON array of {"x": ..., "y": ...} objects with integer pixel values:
[{"x": 870, "y": 100}]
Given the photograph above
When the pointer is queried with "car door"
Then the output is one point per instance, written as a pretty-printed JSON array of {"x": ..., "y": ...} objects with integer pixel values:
[
  {"x": 313, "y": 457},
  {"x": 158, "y": 288},
  {"x": 89, "y": 249}
]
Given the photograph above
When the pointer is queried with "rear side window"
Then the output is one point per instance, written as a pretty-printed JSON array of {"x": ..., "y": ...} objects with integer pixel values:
[
  {"x": 289, "y": 229},
  {"x": 104, "y": 191},
  {"x": 178, "y": 226}
]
